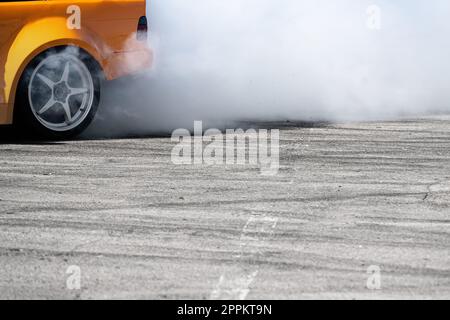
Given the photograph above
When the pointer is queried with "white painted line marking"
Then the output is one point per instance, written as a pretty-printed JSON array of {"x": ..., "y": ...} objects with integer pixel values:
[{"x": 235, "y": 285}]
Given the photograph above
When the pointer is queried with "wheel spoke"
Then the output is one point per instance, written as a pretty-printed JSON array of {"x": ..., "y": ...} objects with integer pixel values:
[
  {"x": 46, "y": 80},
  {"x": 50, "y": 103},
  {"x": 76, "y": 91},
  {"x": 65, "y": 75},
  {"x": 67, "y": 112}
]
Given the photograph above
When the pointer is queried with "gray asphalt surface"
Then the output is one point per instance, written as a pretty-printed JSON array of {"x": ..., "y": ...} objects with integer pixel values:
[{"x": 347, "y": 197}]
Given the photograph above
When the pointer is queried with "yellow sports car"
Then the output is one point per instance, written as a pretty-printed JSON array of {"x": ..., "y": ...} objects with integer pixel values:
[{"x": 55, "y": 53}]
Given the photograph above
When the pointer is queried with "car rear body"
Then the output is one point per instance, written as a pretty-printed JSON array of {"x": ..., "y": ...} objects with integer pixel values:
[{"x": 107, "y": 31}]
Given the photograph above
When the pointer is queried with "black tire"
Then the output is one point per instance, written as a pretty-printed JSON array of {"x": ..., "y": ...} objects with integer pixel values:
[{"x": 27, "y": 120}]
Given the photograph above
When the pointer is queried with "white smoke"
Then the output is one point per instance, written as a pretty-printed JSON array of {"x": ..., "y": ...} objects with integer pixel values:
[{"x": 220, "y": 61}]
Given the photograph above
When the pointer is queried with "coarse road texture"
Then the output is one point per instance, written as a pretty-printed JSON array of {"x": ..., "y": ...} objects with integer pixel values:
[{"x": 347, "y": 197}]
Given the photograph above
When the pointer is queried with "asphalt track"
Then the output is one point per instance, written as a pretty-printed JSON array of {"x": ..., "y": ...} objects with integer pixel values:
[{"x": 348, "y": 198}]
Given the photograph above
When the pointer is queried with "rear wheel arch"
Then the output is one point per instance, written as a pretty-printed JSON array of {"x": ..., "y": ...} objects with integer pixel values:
[{"x": 87, "y": 51}]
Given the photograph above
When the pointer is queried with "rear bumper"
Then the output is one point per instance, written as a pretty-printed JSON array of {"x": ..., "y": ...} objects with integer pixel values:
[{"x": 125, "y": 63}]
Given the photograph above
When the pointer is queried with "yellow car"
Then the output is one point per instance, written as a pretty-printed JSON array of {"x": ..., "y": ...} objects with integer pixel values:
[{"x": 54, "y": 55}]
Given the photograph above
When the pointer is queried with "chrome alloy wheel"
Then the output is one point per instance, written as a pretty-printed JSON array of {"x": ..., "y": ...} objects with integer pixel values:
[{"x": 61, "y": 92}]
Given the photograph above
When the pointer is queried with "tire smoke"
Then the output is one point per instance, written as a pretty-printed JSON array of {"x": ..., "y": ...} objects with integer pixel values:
[{"x": 323, "y": 60}]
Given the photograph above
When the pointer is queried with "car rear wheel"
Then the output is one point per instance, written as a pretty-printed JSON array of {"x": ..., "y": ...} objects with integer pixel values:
[{"x": 58, "y": 94}]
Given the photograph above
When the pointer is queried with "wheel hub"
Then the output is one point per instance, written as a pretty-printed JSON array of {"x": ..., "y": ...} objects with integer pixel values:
[{"x": 61, "y": 92}]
